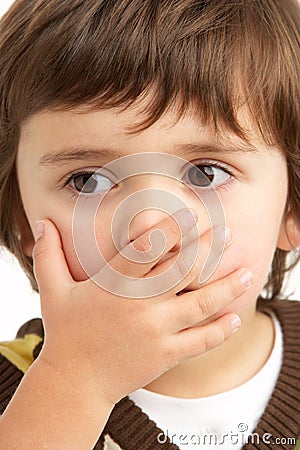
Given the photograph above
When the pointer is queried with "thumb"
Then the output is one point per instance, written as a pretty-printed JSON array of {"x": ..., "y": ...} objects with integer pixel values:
[{"x": 49, "y": 263}]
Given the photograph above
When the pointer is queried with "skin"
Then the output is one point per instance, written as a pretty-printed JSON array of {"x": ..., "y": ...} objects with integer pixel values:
[{"x": 254, "y": 218}]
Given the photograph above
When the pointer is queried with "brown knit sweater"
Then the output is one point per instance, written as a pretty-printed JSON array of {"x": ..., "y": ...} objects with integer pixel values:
[{"x": 128, "y": 428}]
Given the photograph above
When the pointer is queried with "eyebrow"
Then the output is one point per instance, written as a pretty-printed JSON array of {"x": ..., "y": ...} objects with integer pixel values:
[{"x": 76, "y": 153}]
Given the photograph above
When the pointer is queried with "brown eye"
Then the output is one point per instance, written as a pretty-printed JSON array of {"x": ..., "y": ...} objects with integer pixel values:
[
  {"x": 90, "y": 183},
  {"x": 201, "y": 177},
  {"x": 204, "y": 176}
]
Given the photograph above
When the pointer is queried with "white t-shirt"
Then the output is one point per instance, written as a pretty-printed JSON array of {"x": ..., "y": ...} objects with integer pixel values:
[{"x": 223, "y": 421}]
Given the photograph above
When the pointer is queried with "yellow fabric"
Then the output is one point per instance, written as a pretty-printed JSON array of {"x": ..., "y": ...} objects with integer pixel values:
[{"x": 20, "y": 351}]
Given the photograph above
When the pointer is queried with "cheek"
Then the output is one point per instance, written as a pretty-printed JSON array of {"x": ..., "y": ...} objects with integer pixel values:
[
  {"x": 253, "y": 246},
  {"x": 255, "y": 220},
  {"x": 83, "y": 262},
  {"x": 254, "y": 253}
]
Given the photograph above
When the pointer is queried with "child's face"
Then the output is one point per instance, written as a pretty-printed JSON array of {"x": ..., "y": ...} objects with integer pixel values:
[{"x": 253, "y": 198}]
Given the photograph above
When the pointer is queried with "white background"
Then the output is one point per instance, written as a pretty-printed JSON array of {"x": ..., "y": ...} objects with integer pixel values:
[
  {"x": 4, "y": 5},
  {"x": 19, "y": 303}
]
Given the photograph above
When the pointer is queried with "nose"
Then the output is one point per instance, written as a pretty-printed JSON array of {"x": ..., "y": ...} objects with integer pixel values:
[
  {"x": 145, "y": 220},
  {"x": 151, "y": 216}
]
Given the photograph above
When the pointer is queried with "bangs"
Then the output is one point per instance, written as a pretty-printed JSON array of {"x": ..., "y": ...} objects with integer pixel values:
[{"x": 210, "y": 57}]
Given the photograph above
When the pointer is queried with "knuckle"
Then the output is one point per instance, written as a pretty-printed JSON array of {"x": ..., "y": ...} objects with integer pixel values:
[
  {"x": 38, "y": 252},
  {"x": 171, "y": 356},
  {"x": 154, "y": 330},
  {"x": 187, "y": 315},
  {"x": 193, "y": 349},
  {"x": 200, "y": 346},
  {"x": 215, "y": 338},
  {"x": 207, "y": 343},
  {"x": 205, "y": 304}
]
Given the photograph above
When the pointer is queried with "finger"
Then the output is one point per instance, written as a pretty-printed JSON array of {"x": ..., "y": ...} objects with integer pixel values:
[
  {"x": 193, "y": 307},
  {"x": 50, "y": 267},
  {"x": 194, "y": 341},
  {"x": 137, "y": 258},
  {"x": 185, "y": 267}
]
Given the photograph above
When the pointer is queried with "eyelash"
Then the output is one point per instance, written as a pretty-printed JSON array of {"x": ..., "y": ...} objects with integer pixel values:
[
  {"x": 70, "y": 191},
  {"x": 227, "y": 184},
  {"x": 74, "y": 194}
]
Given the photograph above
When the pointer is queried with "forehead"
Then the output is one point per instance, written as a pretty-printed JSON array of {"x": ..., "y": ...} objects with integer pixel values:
[{"x": 113, "y": 127}]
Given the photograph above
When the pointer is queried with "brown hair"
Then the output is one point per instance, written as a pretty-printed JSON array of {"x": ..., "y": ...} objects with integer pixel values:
[{"x": 57, "y": 54}]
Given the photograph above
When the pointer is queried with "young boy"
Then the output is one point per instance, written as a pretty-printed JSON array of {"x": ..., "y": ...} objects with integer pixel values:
[{"x": 117, "y": 117}]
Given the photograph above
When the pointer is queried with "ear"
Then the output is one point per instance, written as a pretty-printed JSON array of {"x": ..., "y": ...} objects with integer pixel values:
[
  {"x": 27, "y": 241},
  {"x": 289, "y": 235}
]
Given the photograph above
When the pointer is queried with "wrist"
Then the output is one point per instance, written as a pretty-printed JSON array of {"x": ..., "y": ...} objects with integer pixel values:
[
  {"x": 54, "y": 408},
  {"x": 72, "y": 378}
]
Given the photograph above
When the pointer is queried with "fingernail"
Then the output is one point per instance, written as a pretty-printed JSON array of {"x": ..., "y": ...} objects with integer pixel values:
[
  {"x": 40, "y": 229},
  {"x": 235, "y": 323},
  {"x": 246, "y": 278},
  {"x": 224, "y": 233},
  {"x": 228, "y": 236},
  {"x": 187, "y": 217}
]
